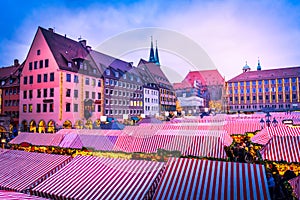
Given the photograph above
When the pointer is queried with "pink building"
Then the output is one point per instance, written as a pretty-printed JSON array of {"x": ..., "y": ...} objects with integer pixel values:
[{"x": 61, "y": 86}]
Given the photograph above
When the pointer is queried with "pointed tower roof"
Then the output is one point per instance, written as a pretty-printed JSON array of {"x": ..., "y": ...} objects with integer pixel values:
[
  {"x": 258, "y": 66},
  {"x": 151, "y": 57},
  {"x": 156, "y": 55}
]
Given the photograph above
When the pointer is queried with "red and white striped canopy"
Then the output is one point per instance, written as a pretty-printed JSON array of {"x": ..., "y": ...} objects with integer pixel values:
[
  {"x": 10, "y": 195},
  {"x": 295, "y": 183},
  {"x": 206, "y": 179},
  {"x": 282, "y": 148},
  {"x": 21, "y": 171},
  {"x": 99, "y": 142},
  {"x": 38, "y": 139},
  {"x": 267, "y": 133},
  {"x": 242, "y": 126},
  {"x": 71, "y": 140},
  {"x": 88, "y": 177}
]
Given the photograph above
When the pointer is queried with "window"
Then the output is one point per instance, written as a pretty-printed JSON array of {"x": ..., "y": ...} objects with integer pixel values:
[
  {"x": 107, "y": 72},
  {"x": 106, "y": 81},
  {"x": 68, "y": 107},
  {"x": 99, "y": 83},
  {"x": 24, "y": 108},
  {"x": 287, "y": 96},
  {"x": 248, "y": 98},
  {"x": 279, "y": 96},
  {"x": 254, "y": 98},
  {"x": 99, "y": 95},
  {"x": 45, "y": 78},
  {"x": 75, "y": 93},
  {"x": 279, "y": 89},
  {"x": 111, "y": 92},
  {"x": 45, "y": 92},
  {"x": 41, "y": 64},
  {"x": 76, "y": 80},
  {"x": 25, "y": 94},
  {"x": 124, "y": 76},
  {"x": 273, "y": 96},
  {"x": 279, "y": 81},
  {"x": 87, "y": 81},
  {"x": 68, "y": 93},
  {"x": 38, "y": 108},
  {"x": 75, "y": 107},
  {"x": 39, "y": 93},
  {"x": 242, "y": 83},
  {"x": 51, "y": 92},
  {"x": 44, "y": 107},
  {"x": 267, "y": 97},
  {"x": 35, "y": 64},
  {"x": 30, "y": 108},
  {"x": 30, "y": 94},
  {"x": 87, "y": 94},
  {"x": 38, "y": 52},
  {"x": 30, "y": 66},
  {"x": 267, "y": 89},
  {"x": 112, "y": 82},
  {"x": 47, "y": 63},
  {"x": 39, "y": 78},
  {"x": 99, "y": 108},
  {"x": 247, "y": 83},
  {"x": 93, "y": 95},
  {"x": 117, "y": 74},
  {"x": 273, "y": 81},
  {"x": 30, "y": 79},
  {"x": 68, "y": 77},
  {"x": 52, "y": 76},
  {"x": 286, "y": 80},
  {"x": 287, "y": 88},
  {"x": 69, "y": 64},
  {"x": 106, "y": 102},
  {"x": 25, "y": 80},
  {"x": 253, "y": 82},
  {"x": 266, "y": 82},
  {"x": 294, "y": 88},
  {"x": 51, "y": 107}
]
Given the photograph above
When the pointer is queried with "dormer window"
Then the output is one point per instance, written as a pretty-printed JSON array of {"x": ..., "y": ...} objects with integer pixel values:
[
  {"x": 94, "y": 71},
  {"x": 2, "y": 83},
  {"x": 11, "y": 81},
  {"x": 69, "y": 64},
  {"x": 124, "y": 76},
  {"x": 117, "y": 74},
  {"x": 107, "y": 72},
  {"x": 131, "y": 78},
  {"x": 80, "y": 65}
]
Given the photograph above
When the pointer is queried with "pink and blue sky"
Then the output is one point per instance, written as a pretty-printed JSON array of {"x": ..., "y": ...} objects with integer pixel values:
[{"x": 230, "y": 32}]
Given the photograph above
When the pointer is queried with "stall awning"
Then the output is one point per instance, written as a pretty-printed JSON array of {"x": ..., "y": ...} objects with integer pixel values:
[{"x": 205, "y": 179}]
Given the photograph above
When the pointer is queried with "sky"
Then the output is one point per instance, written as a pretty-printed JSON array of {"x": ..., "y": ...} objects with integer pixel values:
[{"x": 191, "y": 35}]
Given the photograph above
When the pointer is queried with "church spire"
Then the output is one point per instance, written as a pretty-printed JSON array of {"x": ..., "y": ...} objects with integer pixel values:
[
  {"x": 151, "y": 57},
  {"x": 258, "y": 65},
  {"x": 156, "y": 55}
]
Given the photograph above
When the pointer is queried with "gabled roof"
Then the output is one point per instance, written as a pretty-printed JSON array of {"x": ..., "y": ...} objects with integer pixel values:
[
  {"x": 212, "y": 77},
  {"x": 103, "y": 61},
  {"x": 156, "y": 72},
  {"x": 289, "y": 72},
  {"x": 6, "y": 72},
  {"x": 10, "y": 72},
  {"x": 64, "y": 49},
  {"x": 193, "y": 76}
]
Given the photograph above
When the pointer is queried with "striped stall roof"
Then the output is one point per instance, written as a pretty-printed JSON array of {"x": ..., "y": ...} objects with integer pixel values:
[
  {"x": 88, "y": 177},
  {"x": 10, "y": 195},
  {"x": 38, "y": 139},
  {"x": 72, "y": 141},
  {"x": 242, "y": 126},
  {"x": 282, "y": 148},
  {"x": 205, "y": 179},
  {"x": 267, "y": 133},
  {"x": 90, "y": 132},
  {"x": 98, "y": 142},
  {"x": 295, "y": 183},
  {"x": 21, "y": 171}
]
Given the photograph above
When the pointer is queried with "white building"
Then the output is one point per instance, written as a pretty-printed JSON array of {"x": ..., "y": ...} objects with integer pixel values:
[{"x": 151, "y": 100}]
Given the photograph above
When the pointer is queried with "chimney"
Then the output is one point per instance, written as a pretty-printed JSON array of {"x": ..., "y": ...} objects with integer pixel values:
[
  {"x": 51, "y": 30},
  {"x": 83, "y": 43},
  {"x": 89, "y": 48},
  {"x": 16, "y": 62}
]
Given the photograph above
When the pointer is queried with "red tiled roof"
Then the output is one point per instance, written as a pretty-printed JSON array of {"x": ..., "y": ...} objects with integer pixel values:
[
  {"x": 5, "y": 72},
  {"x": 155, "y": 70},
  {"x": 212, "y": 77},
  {"x": 194, "y": 76},
  {"x": 182, "y": 85},
  {"x": 64, "y": 49},
  {"x": 288, "y": 72}
]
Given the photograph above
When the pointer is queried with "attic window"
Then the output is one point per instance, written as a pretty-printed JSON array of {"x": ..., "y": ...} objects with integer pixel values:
[
  {"x": 107, "y": 72},
  {"x": 3, "y": 83},
  {"x": 69, "y": 64},
  {"x": 38, "y": 52},
  {"x": 94, "y": 71},
  {"x": 117, "y": 74}
]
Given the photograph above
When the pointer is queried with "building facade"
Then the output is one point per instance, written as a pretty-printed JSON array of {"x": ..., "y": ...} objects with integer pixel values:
[
  {"x": 264, "y": 90},
  {"x": 9, "y": 94},
  {"x": 61, "y": 87},
  {"x": 151, "y": 100}
]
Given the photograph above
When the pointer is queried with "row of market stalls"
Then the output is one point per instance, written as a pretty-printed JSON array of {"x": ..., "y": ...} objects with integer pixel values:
[{"x": 88, "y": 177}]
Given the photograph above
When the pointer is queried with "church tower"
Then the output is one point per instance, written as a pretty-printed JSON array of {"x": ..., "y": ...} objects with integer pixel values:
[
  {"x": 152, "y": 57},
  {"x": 156, "y": 55}
]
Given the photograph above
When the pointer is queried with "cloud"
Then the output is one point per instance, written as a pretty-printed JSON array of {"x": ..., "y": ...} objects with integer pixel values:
[{"x": 230, "y": 32}]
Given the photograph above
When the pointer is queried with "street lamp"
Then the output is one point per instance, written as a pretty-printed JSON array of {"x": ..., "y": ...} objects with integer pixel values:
[{"x": 268, "y": 121}]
